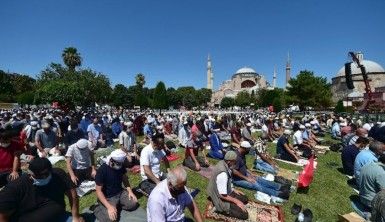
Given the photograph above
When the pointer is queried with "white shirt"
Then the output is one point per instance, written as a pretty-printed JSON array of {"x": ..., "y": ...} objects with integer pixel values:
[
  {"x": 297, "y": 138},
  {"x": 222, "y": 179},
  {"x": 152, "y": 158},
  {"x": 161, "y": 206},
  {"x": 80, "y": 158}
]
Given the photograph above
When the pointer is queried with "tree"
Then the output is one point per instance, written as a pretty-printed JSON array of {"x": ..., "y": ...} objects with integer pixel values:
[
  {"x": 71, "y": 58},
  {"x": 173, "y": 97},
  {"x": 160, "y": 96},
  {"x": 266, "y": 97},
  {"x": 120, "y": 95},
  {"x": 309, "y": 90},
  {"x": 140, "y": 80},
  {"x": 72, "y": 88},
  {"x": 187, "y": 95},
  {"x": 203, "y": 96},
  {"x": 227, "y": 102},
  {"x": 243, "y": 99},
  {"x": 339, "y": 107}
]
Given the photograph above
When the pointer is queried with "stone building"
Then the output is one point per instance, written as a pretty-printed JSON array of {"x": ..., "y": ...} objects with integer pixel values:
[
  {"x": 245, "y": 79},
  {"x": 375, "y": 72}
]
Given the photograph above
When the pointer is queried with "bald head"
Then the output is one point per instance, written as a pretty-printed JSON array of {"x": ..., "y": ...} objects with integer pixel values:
[
  {"x": 361, "y": 132},
  {"x": 177, "y": 176}
]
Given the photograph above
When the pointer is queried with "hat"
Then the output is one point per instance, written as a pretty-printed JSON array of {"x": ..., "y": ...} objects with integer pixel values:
[
  {"x": 307, "y": 125},
  {"x": 45, "y": 124},
  {"x": 343, "y": 124},
  {"x": 245, "y": 144},
  {"x": 312, "y": 122},
  {"x": 185, "y": 123},
  {"x": 128, "y": 124},
  {"x": 160, "y": 127},
  {"x": 117, "y": 155},
  {"x": 231, "y": 155},
  {"x": 302, "y": 126},
  {"x": 83, "y": 143},
  {"x": 33, "y": 123},
  {"x": 287, "y": 132},
  {"x": 248, "y": 124}
]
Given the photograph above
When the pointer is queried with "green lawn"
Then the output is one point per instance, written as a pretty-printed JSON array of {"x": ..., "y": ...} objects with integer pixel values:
[{"x": 327, "y": 197}]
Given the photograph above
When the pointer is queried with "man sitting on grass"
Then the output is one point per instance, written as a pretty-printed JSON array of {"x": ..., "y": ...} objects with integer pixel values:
[
  {"x": 242, "y": 177},
  {"x": 150, "y": 160},
  {"x": 39, "y": 195},
  {"x": 226, "y": 199},
  {"x": 365, "y": 157},
  {"x": 111, "y": 195},
  {"x": 80, "y": 162},
  {"x": 372, "y": 181},
  {"x": 285, "y": 150},
  {"x": 349, "y": 154},
  {"x": 10, "y": 151},
  {"x": 169, "y": 199},
  {"x": 192, "y": 159},
  {"x": 216, "y": 147}
]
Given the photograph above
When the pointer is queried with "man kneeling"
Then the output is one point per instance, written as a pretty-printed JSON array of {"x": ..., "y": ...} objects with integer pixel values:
[
  {"x": 227, "y": 201},
  {"x": 111, "y": 196},
  {"x": 169, "y": 199}
]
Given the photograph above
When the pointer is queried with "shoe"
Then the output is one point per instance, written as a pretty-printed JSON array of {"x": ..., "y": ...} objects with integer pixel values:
[
  {"x": 296, "y": 208},
  {"x": 195, "y": 192},
  {"x": 284, "y": 195},
  {"x": 307, "y": 215}
]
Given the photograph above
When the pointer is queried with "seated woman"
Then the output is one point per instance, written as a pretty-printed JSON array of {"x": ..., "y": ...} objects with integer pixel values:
[
  {"x": 226, "y": 199},
  {"x": 216, "y": 147}
]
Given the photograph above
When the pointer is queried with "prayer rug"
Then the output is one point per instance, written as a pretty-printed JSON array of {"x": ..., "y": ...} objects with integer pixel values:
[
  {"x": 172, "y": 157},
  {"x": 258, "y": 212}
]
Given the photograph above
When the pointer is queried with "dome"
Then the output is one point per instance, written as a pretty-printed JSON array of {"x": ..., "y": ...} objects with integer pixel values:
[
  {"x": 370, "y": 66},
  {"x": 245, "y": 70}
]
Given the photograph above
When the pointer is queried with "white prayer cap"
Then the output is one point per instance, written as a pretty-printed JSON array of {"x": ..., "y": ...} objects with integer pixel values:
[
  {"x": 307, "y": 125},
  {"x": 343, "y": 124},
  {"x": 117, "y": 155},
  {"x": 83, "y": 143},
  {"x": 248, "y": 124},
  {"x": 128, "y": 124},
  {"x": 160, "y": 127},
  {"x": 287, "y": 132},
  {"x": 33, "y": 123},
  {"x": 245, "y": 144},
  {"x": 302, "y": 126}
]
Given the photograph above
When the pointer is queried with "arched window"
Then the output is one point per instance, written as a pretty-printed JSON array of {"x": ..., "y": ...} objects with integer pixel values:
[{"x": 247, "y": 84}]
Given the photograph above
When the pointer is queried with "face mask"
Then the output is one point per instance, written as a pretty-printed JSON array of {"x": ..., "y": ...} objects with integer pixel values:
[
  {"x": 42, "y": 182},
  {"x": 175, "y": 192},
  {"x": 5, "y": 145},
  {"x": 116, "y": 166}
]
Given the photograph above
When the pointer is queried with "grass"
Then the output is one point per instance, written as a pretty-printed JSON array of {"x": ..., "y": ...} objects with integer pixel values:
[{"x": 327, "y": 196}]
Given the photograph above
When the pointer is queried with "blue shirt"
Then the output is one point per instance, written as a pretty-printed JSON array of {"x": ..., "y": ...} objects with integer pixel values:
[
  {"x": 95, "y": 131},
  {"x": 305, "y": 135},
  {"x": 336, "y": 131},
  {"x": 84, "y": 123},
  {"x": 215, "y": 143},
  {"x": 116, "y": 128},
  {"x": 281, "y": 150},
  {"x": 147, "y": 130},
  {"x": 363, "y": 158},
  {"x": 348, "y": 156}
]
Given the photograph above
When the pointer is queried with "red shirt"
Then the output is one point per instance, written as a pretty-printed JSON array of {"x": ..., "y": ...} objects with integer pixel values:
[{"x": 7, "y": 155}]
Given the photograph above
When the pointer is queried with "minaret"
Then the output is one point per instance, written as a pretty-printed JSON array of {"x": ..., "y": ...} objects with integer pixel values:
[
  {"x": 210, "y": 76},
  {"x": 288, "y": 68},
  {"x": 274, "y": 78}
]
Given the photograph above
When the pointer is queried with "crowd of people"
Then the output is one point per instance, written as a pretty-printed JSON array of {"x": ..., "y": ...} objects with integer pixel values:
[{"x": 32, "y": 136}]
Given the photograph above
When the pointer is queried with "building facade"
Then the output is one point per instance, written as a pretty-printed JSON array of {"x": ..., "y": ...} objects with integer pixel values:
[
  {"x": 245, "y": 79},
  {"x": 376, "y": 75}
]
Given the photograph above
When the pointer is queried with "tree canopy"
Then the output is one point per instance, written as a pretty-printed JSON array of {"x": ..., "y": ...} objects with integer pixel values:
[
  {"x": 71, "y": 58},
  {"x": 160, "y": 96},
  {"x": 306, "y": 89}
]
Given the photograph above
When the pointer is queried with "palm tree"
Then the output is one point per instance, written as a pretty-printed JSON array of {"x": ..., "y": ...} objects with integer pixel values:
[
  {"x": 140, "y": 80},
  {"x": 71, "y": 58}
]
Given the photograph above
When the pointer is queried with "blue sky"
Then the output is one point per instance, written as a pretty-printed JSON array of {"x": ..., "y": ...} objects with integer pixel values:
[{"x": 169, "y": 40}]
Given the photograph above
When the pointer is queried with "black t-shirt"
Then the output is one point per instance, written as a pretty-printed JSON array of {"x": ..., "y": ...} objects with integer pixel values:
[
  {"x": 110, "y": 179},
  {"x": 36, "y": 203},
  {"x": 240, "y": 165}
]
